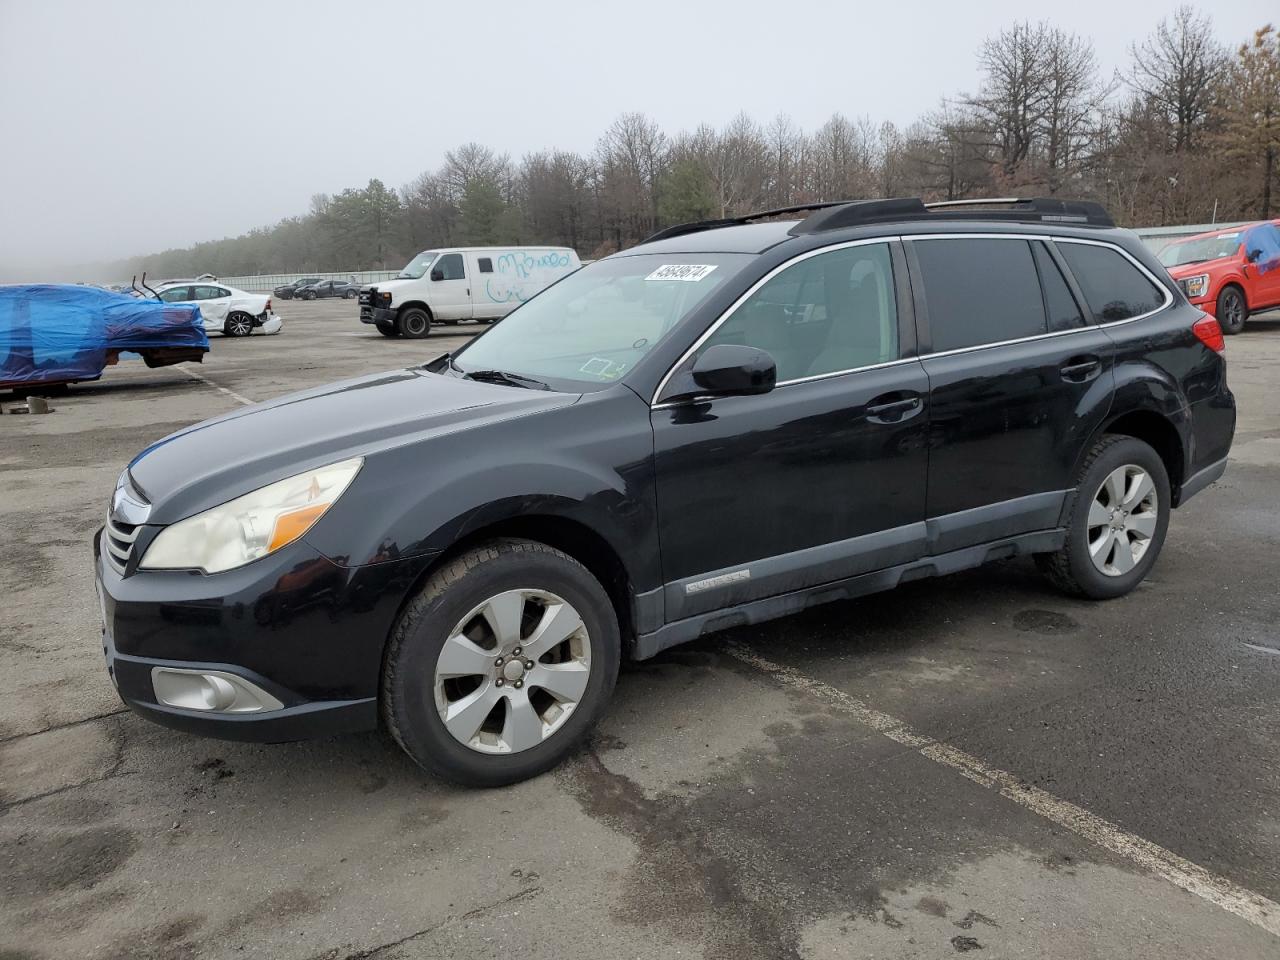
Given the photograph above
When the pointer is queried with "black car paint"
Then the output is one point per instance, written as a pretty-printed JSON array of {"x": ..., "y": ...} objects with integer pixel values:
[
  {"x": 800, "y": 483},
  {"x": 287, "y": 291}
]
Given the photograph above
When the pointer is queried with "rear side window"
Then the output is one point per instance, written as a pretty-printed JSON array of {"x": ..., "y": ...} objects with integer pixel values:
[
  {"x": 1064, "y": 313},
  {"x": 980, "y": 290},
  {"x": 1114, "y": 287},
  {"x": 486, "y": 264}
]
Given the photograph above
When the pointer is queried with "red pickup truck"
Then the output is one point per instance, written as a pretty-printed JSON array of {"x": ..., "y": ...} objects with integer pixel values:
[{"x": 1229, "y": 273}]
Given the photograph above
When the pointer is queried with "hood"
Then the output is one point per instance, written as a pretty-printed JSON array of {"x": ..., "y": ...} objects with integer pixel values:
[
  {"x": 220, "y": 459},
  {"x": 392, "y": 286},
  {"x": 1184, "y": 270}
]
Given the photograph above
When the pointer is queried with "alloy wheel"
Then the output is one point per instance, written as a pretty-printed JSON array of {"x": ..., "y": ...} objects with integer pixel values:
[
  {"x": 512, "y": 671},
  {"x": 240, "y": 327},
  {"x": 1233, "y": 307},
  {"x": 1123, "y": 517}
]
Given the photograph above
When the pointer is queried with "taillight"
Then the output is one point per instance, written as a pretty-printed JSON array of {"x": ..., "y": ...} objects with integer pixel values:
[
  {"x": 268, "y": 310},
  {"x": 1209, "y": 333}
]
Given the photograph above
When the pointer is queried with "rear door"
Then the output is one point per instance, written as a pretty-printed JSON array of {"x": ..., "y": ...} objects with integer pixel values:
[
  {"x": 450, "y": 292},
  {"x": 215, "y": 303},
  {"x": 1019, "y": 379}
]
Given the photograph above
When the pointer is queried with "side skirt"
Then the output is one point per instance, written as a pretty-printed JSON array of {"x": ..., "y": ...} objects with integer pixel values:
[{"x": 758, "y": 611}]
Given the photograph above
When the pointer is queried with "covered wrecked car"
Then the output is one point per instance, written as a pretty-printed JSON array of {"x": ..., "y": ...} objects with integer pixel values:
[{"x": 54, "y": 334}]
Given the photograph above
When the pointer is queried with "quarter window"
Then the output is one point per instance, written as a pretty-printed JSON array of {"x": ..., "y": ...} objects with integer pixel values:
[
  {"x": 486, "y": 264},
  {"x": 828, "y": 313},
  {"x": 450, "y": 265},
  {"x": 980, "y": 290},
  {"x": 1061, "y": 307},
  {"x": 1114, "y": 287}
]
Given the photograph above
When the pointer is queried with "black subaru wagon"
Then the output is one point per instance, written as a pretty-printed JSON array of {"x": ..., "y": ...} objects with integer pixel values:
[{"x": 732, "y": 421}]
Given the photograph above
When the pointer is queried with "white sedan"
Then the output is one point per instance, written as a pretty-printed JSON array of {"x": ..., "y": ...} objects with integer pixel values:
[{"x": 235, "y": 313}]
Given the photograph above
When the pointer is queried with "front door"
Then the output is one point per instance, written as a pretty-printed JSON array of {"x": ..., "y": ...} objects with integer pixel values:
[
  {"x": 450, "y": 294},
  {"x": 1262, "y": 254},
  {"x": 821, "y": 479},
  {"x": 1019, "y": 379}
]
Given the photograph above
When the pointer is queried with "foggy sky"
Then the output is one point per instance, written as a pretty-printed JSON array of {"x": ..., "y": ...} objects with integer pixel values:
[{"x": 131, "y": 127}]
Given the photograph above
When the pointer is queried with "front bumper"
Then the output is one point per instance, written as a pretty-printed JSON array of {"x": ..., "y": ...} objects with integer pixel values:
[
  {"x": 370, "y": 314},
  {"x": 296, "y": 625},
  {"x": 1208, "y": 304}
]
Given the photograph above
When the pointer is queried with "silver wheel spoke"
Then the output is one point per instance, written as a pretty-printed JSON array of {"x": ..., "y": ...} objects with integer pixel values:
[
  {"x": 1123, "y": 559},
  {"x": 503, "y": 614},
  {"x": 464, "y": 717},
  {"x": 522, "y": 728},
  {"x": 1115, "y": 486},
  {"x": 567, "y": 682},
  {"x": 1100, "y": 548},
  {"x": 1143, "y": 524},
  {"x": 1099, "y": 515},
  {"x": 559, "y": 621},
  {"x": 462, "y": 658},
  {"x": 1141, "y": 485}
]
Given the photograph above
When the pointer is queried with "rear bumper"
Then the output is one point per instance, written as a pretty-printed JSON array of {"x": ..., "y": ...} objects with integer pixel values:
[{"x": 1201, "y": 479}]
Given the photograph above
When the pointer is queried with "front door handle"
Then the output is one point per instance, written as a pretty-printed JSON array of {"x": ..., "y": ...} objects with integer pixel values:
[
  {"x": 894, "y": 407},
  {"x": 1081, "y": 369}
]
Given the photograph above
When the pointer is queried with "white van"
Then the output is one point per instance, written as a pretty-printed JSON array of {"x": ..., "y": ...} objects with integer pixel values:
[{"x": 462, "y": 283}]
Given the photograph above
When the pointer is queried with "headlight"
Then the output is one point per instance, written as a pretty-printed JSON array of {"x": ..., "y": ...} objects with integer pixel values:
[
  {"x": 383, "y": 298},
  {"x": 1196, "y": 286},
  {"x": 251, "y": 526}
]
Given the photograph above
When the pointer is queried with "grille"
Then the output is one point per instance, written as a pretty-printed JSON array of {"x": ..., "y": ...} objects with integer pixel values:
[
  {"x": 364, "y": 298},
  {"x": 118, "y": 540}
]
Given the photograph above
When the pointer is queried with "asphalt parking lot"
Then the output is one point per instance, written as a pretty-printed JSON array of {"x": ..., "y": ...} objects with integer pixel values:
[{"x": 967, "y": 765}]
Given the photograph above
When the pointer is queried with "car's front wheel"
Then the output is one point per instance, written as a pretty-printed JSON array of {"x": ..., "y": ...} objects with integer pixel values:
[
  {"x": 238, "y": 325},
  {"x": 414, "y": 323},
  {"x": 387, "y": 329},
  {"x": 1118, "y": 521},
  {"x": 1232, "y": 310},
  {"x": 501, "y": 664}
]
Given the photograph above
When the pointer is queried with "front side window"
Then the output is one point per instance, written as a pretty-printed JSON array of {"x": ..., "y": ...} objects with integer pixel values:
[
  {"x": 1115, "y": 288},
  {"x": 449, "y": 266},
  {"x": 980, "y": 290},
  {"x": 176, "y": 295},
  {"x": 592, "y": 327},
  {"x": 828, "y": 313}
]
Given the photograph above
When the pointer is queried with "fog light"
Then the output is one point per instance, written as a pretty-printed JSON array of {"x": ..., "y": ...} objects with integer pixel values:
[{"x": 211, "y": 691}]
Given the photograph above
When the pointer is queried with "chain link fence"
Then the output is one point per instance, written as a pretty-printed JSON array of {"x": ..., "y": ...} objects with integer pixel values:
[{"x": 266, "y": 282}]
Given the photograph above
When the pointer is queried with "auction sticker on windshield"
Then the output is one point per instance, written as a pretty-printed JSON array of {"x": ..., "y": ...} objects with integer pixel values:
[{"x": 681, "y": 271}]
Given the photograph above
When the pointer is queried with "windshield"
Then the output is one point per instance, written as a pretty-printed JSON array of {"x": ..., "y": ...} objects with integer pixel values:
[
  {"x": 1203, "y": 248},
  {"x": 595, "y": 325},
  {"x": 417, "y": 267}
]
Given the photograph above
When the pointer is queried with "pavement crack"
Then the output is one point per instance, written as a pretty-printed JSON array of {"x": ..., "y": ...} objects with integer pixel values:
[
  {"x": 63, "y": 726},
  {"x": 380, "y": 949}
]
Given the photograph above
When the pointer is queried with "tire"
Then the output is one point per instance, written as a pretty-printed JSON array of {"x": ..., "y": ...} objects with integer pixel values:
[
  {"x": 1232, "y": 309},
  {"x": 387, "y": 329},
  {"x": 1088, "y": 566},
  {"x": 414, "y": 323},
  {"x": 238, "y": 324},
  {"x": 349, "y": 295},
  {"x": 311, "y": 295},
  {"x": 521, "y": 574}
]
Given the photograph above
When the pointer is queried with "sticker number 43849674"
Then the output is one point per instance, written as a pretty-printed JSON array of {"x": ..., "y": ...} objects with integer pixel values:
[{"x": 681, "y": 271}]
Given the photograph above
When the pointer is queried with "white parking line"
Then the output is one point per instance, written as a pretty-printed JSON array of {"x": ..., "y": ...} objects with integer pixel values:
[
  {"x": 203, "y": 379},
  {"x": 1246, "y": 904}
]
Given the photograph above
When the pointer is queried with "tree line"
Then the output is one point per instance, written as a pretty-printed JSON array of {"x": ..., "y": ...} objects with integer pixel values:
[{"x": 1187, "y": 132}]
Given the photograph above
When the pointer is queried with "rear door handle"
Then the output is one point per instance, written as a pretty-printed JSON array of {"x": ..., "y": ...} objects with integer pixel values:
[
  {"x": 894, "y": 407},
  {"x": 1081, "y": 369}
]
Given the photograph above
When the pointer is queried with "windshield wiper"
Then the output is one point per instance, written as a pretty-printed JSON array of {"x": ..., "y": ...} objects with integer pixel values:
[{"x": 501, "y": 376}]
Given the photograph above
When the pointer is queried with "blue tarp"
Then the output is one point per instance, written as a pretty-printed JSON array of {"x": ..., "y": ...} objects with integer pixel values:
[
  {"x": 1265, "y": 238},
  {"x": 56, "y": 334}
]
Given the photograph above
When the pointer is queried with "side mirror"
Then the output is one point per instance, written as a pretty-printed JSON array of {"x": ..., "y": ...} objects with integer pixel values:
[
  {"x": 1254, "y": 256},
  {"x": 437, "y": 274},
  {"x": 729, "y": 369}
]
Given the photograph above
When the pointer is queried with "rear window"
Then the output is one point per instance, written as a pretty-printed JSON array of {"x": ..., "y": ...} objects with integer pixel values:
[
  {"x": 1115, "y": 288},
  {"x": 980, "y": 290}
]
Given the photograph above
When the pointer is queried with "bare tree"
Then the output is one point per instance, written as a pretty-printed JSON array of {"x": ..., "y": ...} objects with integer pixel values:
[{"x": 1176, "y": 68}]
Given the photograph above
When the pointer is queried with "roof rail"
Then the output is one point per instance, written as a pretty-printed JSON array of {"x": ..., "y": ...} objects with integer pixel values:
[{"x": 837, "y": 214}]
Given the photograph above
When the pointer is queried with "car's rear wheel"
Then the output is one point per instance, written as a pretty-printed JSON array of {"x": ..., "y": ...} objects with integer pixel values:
[
  {"x": 414, "y": 323},
  {"x": 1118, "y": 521},
  {"x": 387, "y": 329},
  {"x": 500, "y": 665},
  {"x": 349, "y": 295},
  {"x": 1232, "y": 310},
  {"x": 238, "y": 325}
]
